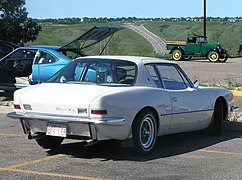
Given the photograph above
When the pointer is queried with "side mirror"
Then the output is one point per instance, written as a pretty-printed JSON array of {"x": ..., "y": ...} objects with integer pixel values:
[{"x": 196, "y": 84}]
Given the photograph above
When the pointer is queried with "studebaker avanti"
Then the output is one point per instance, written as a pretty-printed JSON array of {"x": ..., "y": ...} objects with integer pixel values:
[{"x": 119, "y": 97}]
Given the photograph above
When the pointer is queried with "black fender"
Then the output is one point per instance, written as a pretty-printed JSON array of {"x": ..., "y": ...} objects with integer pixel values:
[
  {"x": 214, "y": 49},
  {"x": 183, "y": 52}
]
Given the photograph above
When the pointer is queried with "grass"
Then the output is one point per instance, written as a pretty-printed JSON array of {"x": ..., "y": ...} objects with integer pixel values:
[
  {"x": 127, "y": 42},
  {"x": 124, "y": 42},
  {"x": 229, "y": 35}
]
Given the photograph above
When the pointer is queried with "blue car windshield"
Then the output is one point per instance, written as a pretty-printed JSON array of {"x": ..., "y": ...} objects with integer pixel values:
[{"x": 97, "y": 71}]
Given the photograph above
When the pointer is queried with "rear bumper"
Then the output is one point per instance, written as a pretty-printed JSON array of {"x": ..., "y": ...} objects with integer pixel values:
[{"x": 77, "y": 128}]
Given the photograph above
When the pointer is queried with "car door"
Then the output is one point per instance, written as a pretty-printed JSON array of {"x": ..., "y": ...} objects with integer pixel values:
[
  {"x": 189, "y": 110},
  {"x": 45, "y": 65}
]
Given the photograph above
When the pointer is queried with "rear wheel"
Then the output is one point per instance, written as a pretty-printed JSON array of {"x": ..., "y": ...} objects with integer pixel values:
[
  {"x": 215, "y": 127},
  {"x": 213, "y": 56},
  {"x": 177, "y": 55},
  {"x": 144, "y": 132},
  {"x": 49, "y": 142}
]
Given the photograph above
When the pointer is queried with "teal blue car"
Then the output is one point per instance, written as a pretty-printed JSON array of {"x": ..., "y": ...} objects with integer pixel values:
[{"x": 30, "y": 65}]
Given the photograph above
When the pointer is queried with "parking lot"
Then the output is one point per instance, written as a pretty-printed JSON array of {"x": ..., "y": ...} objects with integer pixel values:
[{"x": 183, "y": 156}]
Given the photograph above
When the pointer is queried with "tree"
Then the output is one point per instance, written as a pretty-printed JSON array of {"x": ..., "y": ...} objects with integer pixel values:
[{"x": 15, "y": 26}]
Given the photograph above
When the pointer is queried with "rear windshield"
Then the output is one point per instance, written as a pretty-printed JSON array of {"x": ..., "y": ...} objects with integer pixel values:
[{"x": 97, "y": 71}]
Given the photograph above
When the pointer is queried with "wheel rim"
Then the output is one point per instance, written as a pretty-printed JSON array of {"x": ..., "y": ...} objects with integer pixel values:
[
  {"x": 213, "y": 56},
  {"x": 177, "y": 55},
  {"x": 147, "y": 133}
]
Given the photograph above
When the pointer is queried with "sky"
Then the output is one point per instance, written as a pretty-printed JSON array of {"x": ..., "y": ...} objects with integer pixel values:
[{"x": 42, "y": 9}]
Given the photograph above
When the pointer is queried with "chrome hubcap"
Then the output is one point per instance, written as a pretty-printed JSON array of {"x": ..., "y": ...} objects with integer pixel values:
[{"x": 147, "y": 132}]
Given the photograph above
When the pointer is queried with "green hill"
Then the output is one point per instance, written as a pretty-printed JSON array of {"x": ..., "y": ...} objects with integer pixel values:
[
  {"x": 229, "y": 35},
  {"x": 124, "y": 42},
  {"x": 127, "y": 42}
]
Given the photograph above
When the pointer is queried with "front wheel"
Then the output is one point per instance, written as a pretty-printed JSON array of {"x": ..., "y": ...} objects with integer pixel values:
[
  {"x": 177, "y": 55},
  {"x": 213, "y": 56},
  {"x": 144, "y": 132},
  {"x": 49, "y": 142},
  {"x": 215, "y": 127}
]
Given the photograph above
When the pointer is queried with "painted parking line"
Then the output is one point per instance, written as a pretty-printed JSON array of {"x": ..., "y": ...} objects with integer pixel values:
[
  {"x": 236, "y": 93},
  {"x": 220, "y": 152},
  {"x": 12, "y": 135},
  {"x": 36, "y": 161},
  {"x": 49, "y": 174},
  {"x": 13, "y": 168},
  {"x": 208, "y": 151}
]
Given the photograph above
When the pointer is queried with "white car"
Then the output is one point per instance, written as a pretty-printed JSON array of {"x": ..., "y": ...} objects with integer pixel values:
[{"x": 100, "y": 98}]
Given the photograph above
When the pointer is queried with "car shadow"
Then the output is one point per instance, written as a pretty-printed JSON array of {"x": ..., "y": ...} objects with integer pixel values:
[
  {"x": 5, "y": 97},
  {"x": 166, "y": 146}
]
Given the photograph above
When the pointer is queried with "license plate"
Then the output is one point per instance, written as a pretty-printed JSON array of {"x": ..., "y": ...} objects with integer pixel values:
[{"x": 56, "y": 130}]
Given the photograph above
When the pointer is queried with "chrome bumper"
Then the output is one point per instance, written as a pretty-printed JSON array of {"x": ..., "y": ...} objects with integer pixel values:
[
  {"x": 77, "y": 127},
  {"x": 110, "y": 121}
]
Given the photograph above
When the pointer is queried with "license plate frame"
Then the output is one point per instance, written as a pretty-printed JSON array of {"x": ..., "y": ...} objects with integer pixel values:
[{"x": 59, "y": 130}]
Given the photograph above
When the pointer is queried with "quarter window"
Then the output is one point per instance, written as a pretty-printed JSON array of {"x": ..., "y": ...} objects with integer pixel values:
[
  {"x": 153, "y": 73},
  {"x": 44, "y": 58}
]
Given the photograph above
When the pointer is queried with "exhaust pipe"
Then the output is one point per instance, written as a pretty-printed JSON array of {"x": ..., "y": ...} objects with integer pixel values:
[
  {"x": 33, "y": 136},
  {"x": 90, "y": 142}
]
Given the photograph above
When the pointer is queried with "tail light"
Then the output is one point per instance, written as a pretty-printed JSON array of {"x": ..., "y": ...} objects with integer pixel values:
[
  {"x": 99, "y": 112},
  {"x": 17, "y": 106}
]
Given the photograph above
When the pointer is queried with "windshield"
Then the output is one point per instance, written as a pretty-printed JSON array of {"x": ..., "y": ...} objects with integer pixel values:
[
  {"x": 202, "y": 40},
  {"x": 97, "y": 71}
]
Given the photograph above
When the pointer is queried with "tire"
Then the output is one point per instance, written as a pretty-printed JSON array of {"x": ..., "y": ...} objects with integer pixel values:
[
  {"x": 177, "y": 55},
  {"x": 224, "y": 59},
  {"x": 144, "y": 131},
  {"x": 213, "y": 56},
  {"x": 9, "y": 93},
  {"x": 49, "y": 142},
  {"x": 215, "y": 127}
]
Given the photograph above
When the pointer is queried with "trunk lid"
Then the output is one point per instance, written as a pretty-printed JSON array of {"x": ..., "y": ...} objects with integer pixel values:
[{"x": 60, "y": 99}]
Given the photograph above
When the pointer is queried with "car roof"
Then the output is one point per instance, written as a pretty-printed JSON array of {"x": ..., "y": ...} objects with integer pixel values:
[
  {"x": 135, "y": 59},
  {"x": 41, "y": 47}
]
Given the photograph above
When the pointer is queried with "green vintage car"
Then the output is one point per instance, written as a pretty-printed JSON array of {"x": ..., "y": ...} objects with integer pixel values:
[{"x": 197, "y": 46}]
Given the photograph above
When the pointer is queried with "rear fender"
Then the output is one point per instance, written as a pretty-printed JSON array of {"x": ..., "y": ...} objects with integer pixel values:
[{"x": 175, "y": 49}]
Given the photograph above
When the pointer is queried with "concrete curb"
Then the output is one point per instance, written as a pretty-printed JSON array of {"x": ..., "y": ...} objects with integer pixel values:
[{"x": 237, "y": 93}]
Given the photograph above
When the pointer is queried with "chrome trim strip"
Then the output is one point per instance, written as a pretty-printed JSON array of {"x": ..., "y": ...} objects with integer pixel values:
[
  {"x": 111, "y": 121},
  {"x": 185, "y": 112}
]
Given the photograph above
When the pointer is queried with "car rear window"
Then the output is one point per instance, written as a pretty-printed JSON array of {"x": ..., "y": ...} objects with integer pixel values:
[{"x": 98, "y": 71}]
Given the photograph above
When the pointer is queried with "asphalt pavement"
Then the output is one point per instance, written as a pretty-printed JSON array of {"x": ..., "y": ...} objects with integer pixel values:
[
  {"x": 214, "y": 73},
  {"x": 181, "y": 156}
]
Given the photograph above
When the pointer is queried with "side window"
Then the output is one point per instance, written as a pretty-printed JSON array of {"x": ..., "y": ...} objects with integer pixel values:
[
  {"x": 44, "y": 58},
  {"x": 153, "y": 74},
  {"x": 172, "y": 77},
  {"x": 22, "y": 54}
]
